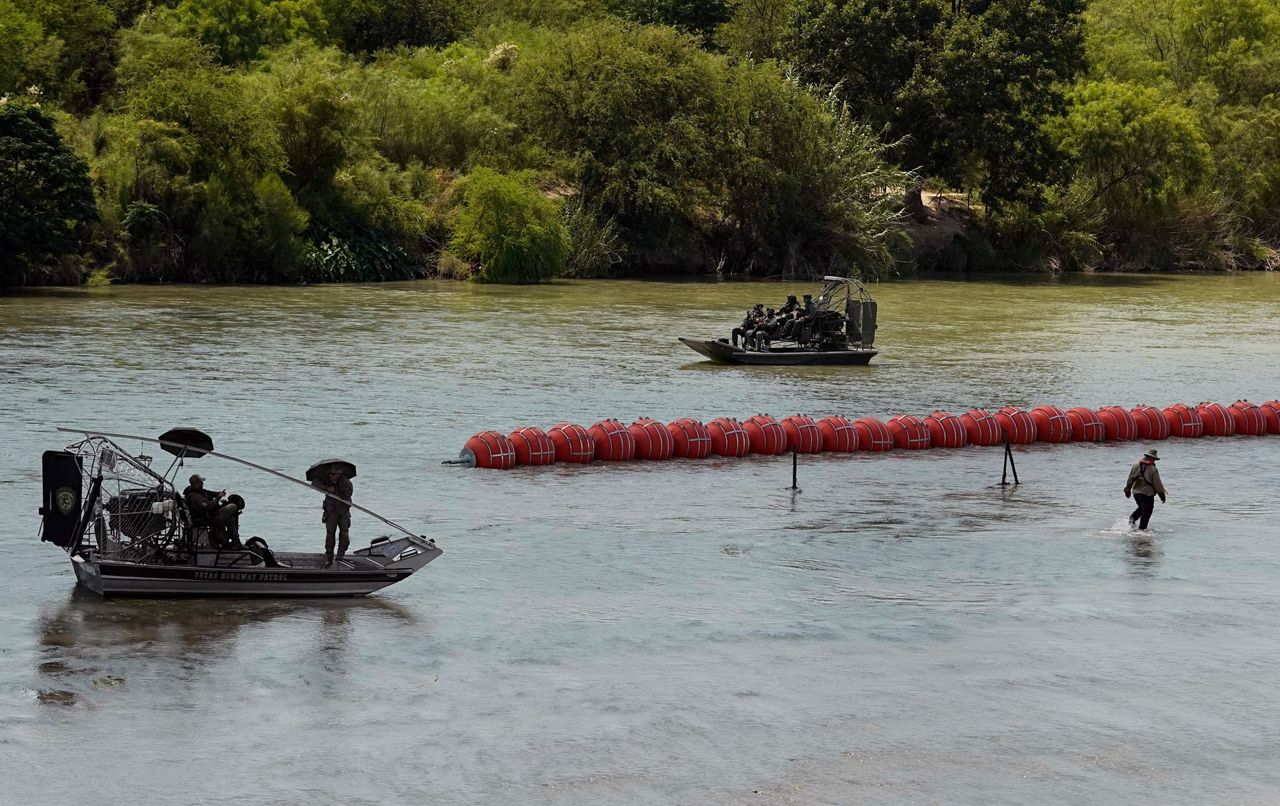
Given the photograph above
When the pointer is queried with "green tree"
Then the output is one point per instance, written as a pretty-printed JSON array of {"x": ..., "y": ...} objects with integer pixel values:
[
  {"x": 509, "y": 229},
  {"x": 1130, "y": 146},
  {"x": 46, "y": 201},
  {"x": 700, "y": 17},
  {"x": 239, "y": 29},
  {"x": 967, "y": 88},
  {"x": 868, "y": 48},
  {"x": 27, "y": 55},
  {"x": 366, "y": 26}
]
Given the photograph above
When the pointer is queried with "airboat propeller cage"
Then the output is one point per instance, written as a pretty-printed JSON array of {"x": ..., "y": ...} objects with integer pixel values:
[{"x": 859, "y": 307}]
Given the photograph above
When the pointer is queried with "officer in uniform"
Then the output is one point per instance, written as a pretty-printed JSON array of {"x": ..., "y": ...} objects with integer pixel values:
[
  {"x": 208, "y": 509},
  {"x": 337, "y": 514}
]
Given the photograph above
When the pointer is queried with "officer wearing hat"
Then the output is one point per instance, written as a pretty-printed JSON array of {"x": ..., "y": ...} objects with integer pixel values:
[
  {"x": 207, "y": 509},
  {"x": 1144, "y": 484}
]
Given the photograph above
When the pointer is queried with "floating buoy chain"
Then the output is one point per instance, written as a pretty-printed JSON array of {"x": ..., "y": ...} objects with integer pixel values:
[{"x": 687, "y": 438}]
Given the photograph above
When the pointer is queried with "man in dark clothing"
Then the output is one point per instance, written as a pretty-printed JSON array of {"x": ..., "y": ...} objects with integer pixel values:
[
  {"x": 759, "y": 336},
  {"x": 753, "y": 320},
  {"x": 208, "y": 509},
  {"x": 1144, "y": 483},
  {"x": 790, "y": 305},
  {"x": 337, "y": 514}
]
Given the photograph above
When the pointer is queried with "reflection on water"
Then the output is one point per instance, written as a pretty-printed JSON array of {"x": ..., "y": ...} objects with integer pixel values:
[{"x": 87, "y": 642}]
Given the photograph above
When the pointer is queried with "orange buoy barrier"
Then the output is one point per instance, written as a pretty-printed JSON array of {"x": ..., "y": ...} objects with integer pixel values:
[
  {"x": 873, "y": 435},
  {"x": 908, "y": 432},
  {"x": 652, "y": 439},
  {"x": 838, "y": 434},
  {"x": 1184, "y": 421},
  {"x": 765, "y": 435},
  {"x": 946, "y": 430},
  {"x": 689, "y": 438},
  {"x": 1118, "y": 423},
  {"x": 1271, "y": 415},
  {"x": 981, "y": 427},
  {"x": 532, "y": 446},
  {"x": 1151, "y": 422},
  {"x": 489, "y": 449},
  {"x": 1250, "y": 421},
  {"x": 728, "y": 438},
  {"x": 573, "y": 444},
  {"x": 1052, "y": 424},
  {"x": 802, "y": 433},
  {"x": 1218, "y": 422},
  {"x": 1017, "y": 424},
  {"x": 1085, "y": 425},
  {"x": 614, "y": 442}
]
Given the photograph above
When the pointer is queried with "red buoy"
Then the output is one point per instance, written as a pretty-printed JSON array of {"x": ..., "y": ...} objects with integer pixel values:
[
  {"x": 1085, "y": 425},
  {"x": 1052, "y": 424},
  {"x": 1183, "y": 421},
  {"x": 838, "y": 434},
  {"x": 489, "y": 449},
  {"x": 727, "y": 437},
  {"x": 690, "y": 438},
  {"x": 1151, "y": 422},
  {"x": 652, "y": 439},
  {"x": 532, "y": 446},
  {"x": 1250, "y": 421},
  {"x": 981, "y": 427},
  {"x": 1271, "y": 415},
  {"x": 614, "y": 442},
  {"x": 873, "y": 435},
  {"x": 946, "y": 430},
  {"x": 1017, "y": 425},
  {"x": 1217, "y": 419},
  {"x": 908, "y": 432},
  {"x": 765, "y": 435},
  {"x": 1118, "y": 423},
  {"x": 573, "y": 443},
  {"x": 802, "y": 433}
]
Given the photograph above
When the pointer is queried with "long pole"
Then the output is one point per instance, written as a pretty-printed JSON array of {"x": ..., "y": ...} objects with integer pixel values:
[
  {"x": 795, "y": 469},
  {"x": 247, "y": 463}
]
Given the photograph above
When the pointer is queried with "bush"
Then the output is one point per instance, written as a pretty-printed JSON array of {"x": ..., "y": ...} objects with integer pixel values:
[{"x": 509, "y": 229}]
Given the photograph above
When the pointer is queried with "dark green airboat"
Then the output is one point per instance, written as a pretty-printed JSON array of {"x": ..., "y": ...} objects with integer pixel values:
[{"x": 840, "y": 330}]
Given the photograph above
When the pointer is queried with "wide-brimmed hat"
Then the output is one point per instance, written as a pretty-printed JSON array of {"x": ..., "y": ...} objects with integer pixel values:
[{"x": 1152, "y": 454}]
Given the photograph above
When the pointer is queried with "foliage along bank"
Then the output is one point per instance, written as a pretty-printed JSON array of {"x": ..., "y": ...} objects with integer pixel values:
[{"x": 515, "y": 140}]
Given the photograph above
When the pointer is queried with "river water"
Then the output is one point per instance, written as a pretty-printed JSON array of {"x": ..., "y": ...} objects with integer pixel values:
[{"x": 901, "y": 631}]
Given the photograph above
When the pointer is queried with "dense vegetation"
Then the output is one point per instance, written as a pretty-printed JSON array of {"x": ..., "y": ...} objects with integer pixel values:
[{"x": 515, "y": 140}]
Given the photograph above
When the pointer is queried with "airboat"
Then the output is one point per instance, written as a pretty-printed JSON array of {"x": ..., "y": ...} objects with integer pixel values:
[
  {"x": 129, "y": 532},
  {"x": 840, "y": 329}
]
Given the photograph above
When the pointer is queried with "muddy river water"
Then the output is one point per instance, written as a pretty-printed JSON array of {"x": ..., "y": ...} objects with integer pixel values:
[{"x": 901, "y": 631}]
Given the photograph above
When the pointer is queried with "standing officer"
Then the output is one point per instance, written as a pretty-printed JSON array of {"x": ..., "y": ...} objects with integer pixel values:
[
  {"x": 1144, "y": 483},
  {"x": 337, "y": 514}
]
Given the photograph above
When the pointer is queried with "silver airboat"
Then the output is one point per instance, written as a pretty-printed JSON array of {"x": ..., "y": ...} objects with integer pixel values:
[{"x": 129, "y": 532}]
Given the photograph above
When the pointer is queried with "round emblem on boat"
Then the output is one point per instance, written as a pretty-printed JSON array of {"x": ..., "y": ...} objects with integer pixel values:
[{"x": 66, "y": 499}]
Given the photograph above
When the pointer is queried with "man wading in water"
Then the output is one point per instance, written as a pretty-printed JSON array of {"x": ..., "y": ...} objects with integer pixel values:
[{"x": 1144, "y": 483}]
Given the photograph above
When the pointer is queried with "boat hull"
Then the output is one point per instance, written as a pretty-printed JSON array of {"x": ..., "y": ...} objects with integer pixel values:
[
  {"x": 723, "y": 352},
  {"x": 360, "y": 575}
]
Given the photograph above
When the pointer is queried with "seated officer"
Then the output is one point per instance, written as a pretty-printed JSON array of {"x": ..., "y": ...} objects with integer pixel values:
[
  {"x": 753, "y": 319},
  {"x": 208, "y": 509}
]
